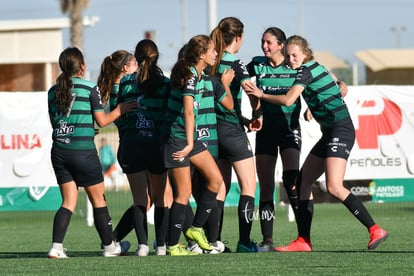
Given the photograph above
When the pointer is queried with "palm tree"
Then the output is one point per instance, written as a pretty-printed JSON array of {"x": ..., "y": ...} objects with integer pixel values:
[{"x": 74, "y": 8}]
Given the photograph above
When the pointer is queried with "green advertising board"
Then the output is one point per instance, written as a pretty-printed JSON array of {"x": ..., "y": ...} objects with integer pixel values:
[
  {"x": 29, "y": 199},
  {"x": 392, "y": 190}
]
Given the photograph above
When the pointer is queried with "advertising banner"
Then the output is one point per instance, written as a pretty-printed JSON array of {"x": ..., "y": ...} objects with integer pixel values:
[
  {"x": 27, "y": 179},
  {"x": 383, "y": 117},
  {"x": 383, "y": 156}
]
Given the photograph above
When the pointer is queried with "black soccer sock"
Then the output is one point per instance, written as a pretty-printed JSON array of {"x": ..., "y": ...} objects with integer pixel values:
[
  {"x": 125, "y": 225},
  {"x": 304, "y": 218},
  {"x": 161, "y": 216},
  {"x": 60, "y": 224},
  {"x": 189, "y": 217},
  {"x": 204, "y": 207},
  {"x": 356, "y": 207},
  {"x": 267, "y": 216},
  {"x": 140, "y": 224},
  {"x": 177, "y": 218},
  {"x": 103, "y": 224},
  {"x": 220, "y": 206},
  {"x": 212, "y": 224},
  {"x": 289, "y": 177},
  {"x": 245, "y": 214}
]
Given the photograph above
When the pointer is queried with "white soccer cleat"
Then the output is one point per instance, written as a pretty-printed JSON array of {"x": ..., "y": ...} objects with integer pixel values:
[
  {"x": 143, "y": 250},
  {"x": 112, "y": 250},
  {"x": 57, "y": 254},
  {"x": 218, "y": 248},
  {"x": 161, "y": 250}
]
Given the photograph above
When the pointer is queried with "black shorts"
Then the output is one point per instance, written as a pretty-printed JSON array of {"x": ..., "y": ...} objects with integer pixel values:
[
  {"x": 173, "y": 145},
  {"x": 336, "y": 141},
  {"x": 269, "y": 141},
  {"x": 234, "y": 144},
  {"x": 134, "y": 157},
  {"x": 81, "y": 166}
]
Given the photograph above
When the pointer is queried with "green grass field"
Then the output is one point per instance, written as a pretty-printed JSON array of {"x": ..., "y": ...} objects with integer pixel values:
[{"x": 339, "y": 243}]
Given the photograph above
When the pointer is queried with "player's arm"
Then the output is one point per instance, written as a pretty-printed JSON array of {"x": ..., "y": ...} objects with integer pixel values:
[
  {"x": 287, "y": 99},
  {"x": 226, "y": 78}
]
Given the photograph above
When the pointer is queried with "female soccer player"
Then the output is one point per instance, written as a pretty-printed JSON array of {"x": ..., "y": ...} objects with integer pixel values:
[
  {"x": 74, "y": 105},
  {"x": 330, "y": 153},
  {"x": 280, "y": 132},
  {"x": 139, "y": 150},
  {"x": 188, "y": 83},
  {"x": 234, "y": 146}
]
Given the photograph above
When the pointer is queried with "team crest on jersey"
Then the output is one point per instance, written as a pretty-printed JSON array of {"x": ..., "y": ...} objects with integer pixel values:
[
  {"x": 196, "y": 105},
  {"x": 64, "y": 129}
]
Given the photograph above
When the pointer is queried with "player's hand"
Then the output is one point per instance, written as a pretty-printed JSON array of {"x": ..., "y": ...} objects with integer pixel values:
[
  {"x": 180, "y": 155},
  {"x": 126, "y": 107},
  {"x": 255, "y": 91},
  {"x": 256, "y": 124},
  {"x": 227, "y": 76}
]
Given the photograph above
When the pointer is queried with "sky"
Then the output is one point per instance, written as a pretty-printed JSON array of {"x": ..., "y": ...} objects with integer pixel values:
[{"x": 341, "y": 27}]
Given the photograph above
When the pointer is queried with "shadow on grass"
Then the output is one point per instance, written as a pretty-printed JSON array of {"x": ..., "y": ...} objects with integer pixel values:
[
  {"x": 362, "y": 251},
  {"x": 83, "y": 254},
  {"x": 42, "y": 255}
]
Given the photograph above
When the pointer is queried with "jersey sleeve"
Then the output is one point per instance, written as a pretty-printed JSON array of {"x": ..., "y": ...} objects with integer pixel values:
[
  {"x": 303, "y": 77},
  {"x": 250, "y": 68},
  {"x": 219, "y": 92},
  {"x": 189, "y": 89},
  {"x": 95, "y": 98},
  {"x": 113, "y": 97},
  {"x": 240, "y": 71}
]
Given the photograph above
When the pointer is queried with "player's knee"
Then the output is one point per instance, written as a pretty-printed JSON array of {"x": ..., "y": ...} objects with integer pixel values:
[{"x": 289, "y": 178}]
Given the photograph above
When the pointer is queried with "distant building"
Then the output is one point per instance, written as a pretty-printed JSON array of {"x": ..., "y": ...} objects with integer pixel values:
[
  {"x": 392, "y": 66},
  {"x": 330, "y": 61},
  {"x": 29, "y": 50},
  {"x": 337, "y": 66}
]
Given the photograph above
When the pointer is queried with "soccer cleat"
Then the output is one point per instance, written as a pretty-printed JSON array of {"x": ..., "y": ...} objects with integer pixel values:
[
  {"x": 143, "y": 250},
  {"x": 179, "y": 250},
  {"x": 298, "y": 245},
  {"x": 161, "y": 250},
  {"x": 194, "y": 247},
  {"x": 125, "y": 245},
  {"x": 197, "y": 234},
  {"x": 249, "y": 247},
  {"x": 218, "y": 248},
  {"x": 57, "y": 254},
  {"x": 377, "y": 236},
  {"x": 266, "y": 246},
  {"x": 112, "y": 250}
]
